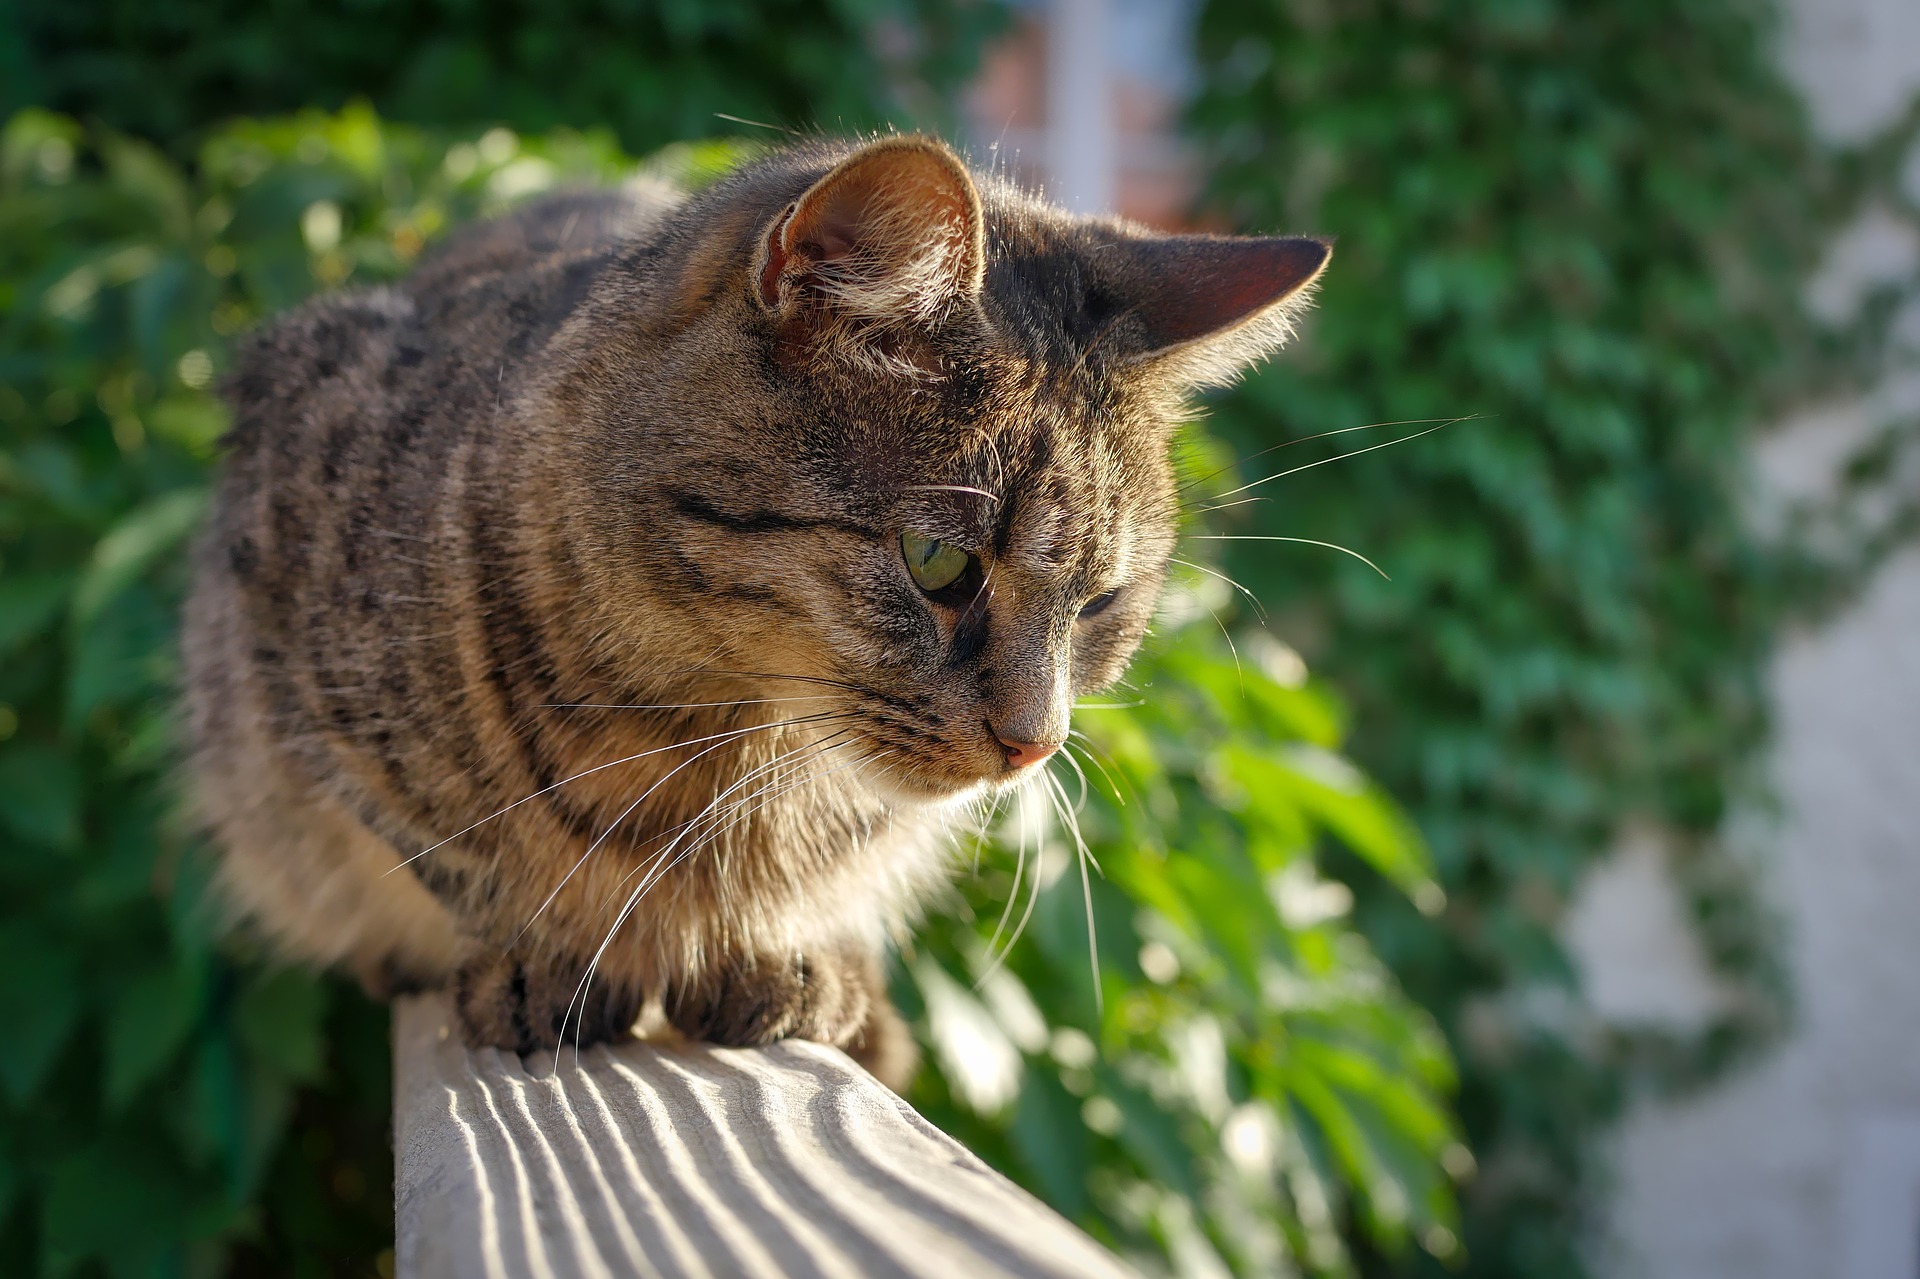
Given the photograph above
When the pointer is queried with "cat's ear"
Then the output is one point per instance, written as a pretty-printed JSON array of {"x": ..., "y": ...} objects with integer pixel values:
[
  {"x": 893, "y": 233},
  {"x": 1202, "y": 308}
]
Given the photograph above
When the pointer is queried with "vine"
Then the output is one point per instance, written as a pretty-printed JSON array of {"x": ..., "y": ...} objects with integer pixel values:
[{"x": 1593, "y": 227}]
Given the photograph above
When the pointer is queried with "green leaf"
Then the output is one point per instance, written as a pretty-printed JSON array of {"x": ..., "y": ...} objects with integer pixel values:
[
  {"x": 41, "y": 1004},
  {"x": 40, "y": 794},
  {"x": 119, "y": 1197},
  {"x": 27, "y": 603},
  {"x": 125, "y": 653},
  {"x": 1354, "y": 810},
  {"x": 147, "y": 1025},
  {"x": 9, "y": 1178},
  {"x": 280, "y": 1020},
  {"x": 142, "y": 537},
  {"x": 1151, "y": 1133},
  {"x": 1052, "y": 1140}
]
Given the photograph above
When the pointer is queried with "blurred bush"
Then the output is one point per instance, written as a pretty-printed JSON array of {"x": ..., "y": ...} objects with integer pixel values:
[
  {"x": 1592, "y": 228},
  {"x": 150, "y": 1077},
  {"x": 653, "y": 71},
  {"x": 1244, "y": 1080},
  {"x": 1236, "y": 1079}
]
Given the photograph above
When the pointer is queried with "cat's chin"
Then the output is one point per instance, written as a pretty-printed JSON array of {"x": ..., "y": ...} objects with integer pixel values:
[{"x": 900, "y": 790}]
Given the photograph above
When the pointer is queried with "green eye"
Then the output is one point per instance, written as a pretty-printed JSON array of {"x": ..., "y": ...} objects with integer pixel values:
[{"x": 933, "y": 563}]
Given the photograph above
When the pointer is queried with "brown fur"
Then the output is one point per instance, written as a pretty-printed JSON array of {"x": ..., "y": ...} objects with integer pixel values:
[{"x": 640, "y": 449}]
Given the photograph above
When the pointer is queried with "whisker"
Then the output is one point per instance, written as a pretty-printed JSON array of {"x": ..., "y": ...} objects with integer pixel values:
[
  {"x": 952, "y": 488},
  {"x": 1072, "y": 822},
  {"x": 601, "y": 838},
  {"x": 757, "y": 772},
  {"x": 985, "y": 588},
  {"x": 1033, "y": 891},
  {"x": 1232, "y": 648},
  {"x": 983, "y": 830},
  {"x": 758, "y": 124},
  {"x": 1202, "y": 568},
  {"x": 625, "y": 759},
  {"x": 579, "y": 995},
  {"x": 742, "y": 811},
  {"x": 1305, "y": 541},
  {"x": 1013, "y": 893},
  {"x": 1322, "y": 435},
  {"x": 1308, "y": 466},
  {"x": 1081, "y": 804},
  {"x": 680, "y": 706},
  {"x": 1228, "y": 506},
  {"x": 1089, "y": 756},
  {"x": 824, "y": 680}
]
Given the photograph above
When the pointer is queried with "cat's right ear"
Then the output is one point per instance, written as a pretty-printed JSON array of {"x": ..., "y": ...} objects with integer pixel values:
[
  {"x": 894, "y": 233},
  {"x": 1201, "y": 309}
]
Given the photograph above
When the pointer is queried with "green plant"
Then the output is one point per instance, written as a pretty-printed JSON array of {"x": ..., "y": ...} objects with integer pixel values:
[
  {"x": 1246, "y": 1078},
  {"x": 654, "y": 73},
  {"x": 151, "y": 1076},
  {"x": 1591, "y": 227}
]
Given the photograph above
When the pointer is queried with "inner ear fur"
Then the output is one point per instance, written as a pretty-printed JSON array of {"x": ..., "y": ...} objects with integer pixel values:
[
  {"x": 892, "y": 233},
  {"x": 1203, "y": 308}
]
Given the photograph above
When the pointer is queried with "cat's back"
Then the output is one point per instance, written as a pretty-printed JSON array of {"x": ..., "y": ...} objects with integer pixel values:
[
  {"x": 378, "y": 360},
  {"x": 367, "y": 476}
]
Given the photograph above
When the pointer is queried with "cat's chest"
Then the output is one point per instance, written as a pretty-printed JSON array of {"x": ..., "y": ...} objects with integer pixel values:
[{"x": 725, "y": 783}]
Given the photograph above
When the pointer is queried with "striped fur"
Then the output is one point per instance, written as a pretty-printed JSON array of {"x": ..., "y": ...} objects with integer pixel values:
[{"x": 635, "y": 449}]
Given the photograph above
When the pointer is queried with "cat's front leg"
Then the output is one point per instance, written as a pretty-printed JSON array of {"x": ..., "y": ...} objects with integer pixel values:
[
  {"x": 836, "y": 997},
  {"x": 522, "y": 1004}
]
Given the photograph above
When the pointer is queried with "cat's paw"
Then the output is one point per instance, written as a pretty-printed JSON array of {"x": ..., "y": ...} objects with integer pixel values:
[
  {"x": 833, "y": 997},
  {"x": 507, "y": 1002},
  {"x": 390, "y": 977},
  {"x": 885, "y": 1046}
]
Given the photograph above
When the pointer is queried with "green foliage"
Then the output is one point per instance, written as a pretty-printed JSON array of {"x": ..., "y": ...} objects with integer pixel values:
[
  {"x": 151, "y": 1077},
  {"x": 1245, "y": 1079},
  {"x": 1590, "y": 226},
  {"x": 653, "y": 72}
]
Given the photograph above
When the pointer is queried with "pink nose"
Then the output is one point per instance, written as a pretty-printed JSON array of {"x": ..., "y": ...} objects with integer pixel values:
[{"x": 1021, "y": 754}]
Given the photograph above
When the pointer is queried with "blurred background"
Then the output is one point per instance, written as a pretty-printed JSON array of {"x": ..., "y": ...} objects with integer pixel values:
[{"x": 1540, "y": 908}]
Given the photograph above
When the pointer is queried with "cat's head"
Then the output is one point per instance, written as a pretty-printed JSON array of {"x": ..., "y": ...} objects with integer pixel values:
[{"x": 904, "y": 449}]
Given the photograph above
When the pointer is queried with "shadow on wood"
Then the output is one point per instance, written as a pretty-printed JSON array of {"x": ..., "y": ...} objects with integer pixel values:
[{"x": 691, "y": 1161}]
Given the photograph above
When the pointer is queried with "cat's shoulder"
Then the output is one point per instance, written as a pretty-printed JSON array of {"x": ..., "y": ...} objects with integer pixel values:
[
  {"x": 546, "y": 235},
  {"x": 493, "y": 290}
]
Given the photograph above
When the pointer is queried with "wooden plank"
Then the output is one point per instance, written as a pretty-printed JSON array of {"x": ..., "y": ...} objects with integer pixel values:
[{"x": 689, "y": 1160}]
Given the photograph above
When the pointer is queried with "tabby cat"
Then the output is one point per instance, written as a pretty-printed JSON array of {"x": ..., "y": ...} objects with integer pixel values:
[{"x": 610, "y": 614}]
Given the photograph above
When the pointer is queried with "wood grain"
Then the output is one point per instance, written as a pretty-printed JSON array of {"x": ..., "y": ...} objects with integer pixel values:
[{"x": 688, "y": 1160}]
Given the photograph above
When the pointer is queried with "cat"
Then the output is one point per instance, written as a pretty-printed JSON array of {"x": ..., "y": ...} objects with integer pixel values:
[{"x": 611, "y": 613}]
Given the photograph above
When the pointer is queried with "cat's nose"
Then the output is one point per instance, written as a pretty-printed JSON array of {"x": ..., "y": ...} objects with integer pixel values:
[{"x": 1020, "y": 754}]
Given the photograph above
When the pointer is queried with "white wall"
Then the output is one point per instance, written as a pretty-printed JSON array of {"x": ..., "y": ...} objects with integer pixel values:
[{"x": 1806, "y": 1165}]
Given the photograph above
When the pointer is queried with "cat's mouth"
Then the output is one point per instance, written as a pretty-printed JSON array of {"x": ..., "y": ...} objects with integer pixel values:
[{"x": 949, "y": 775}]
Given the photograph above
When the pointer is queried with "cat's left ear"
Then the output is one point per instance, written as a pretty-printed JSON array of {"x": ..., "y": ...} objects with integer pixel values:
[
  {"x": 892, "y": 233},
  {"x": 1201, "y": 309}
]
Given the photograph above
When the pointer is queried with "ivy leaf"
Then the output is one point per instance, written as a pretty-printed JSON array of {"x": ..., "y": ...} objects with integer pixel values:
[
  {"x": 1152, "y": 1134},
  {"x": 9, "y": 1177},
  {"x": 122, "y": 654},
  {"x": 27, "y": 603},
  {"x": 132, "y": 1185},
  {"x": 41, "y": 1003},
  {"x": 280, "y": 1019},
  {"x": 131, "y": 546},
  {"x": 1051, "y": 1138},
  {"x": 40, "y": 794},
  {"x": 148, "y": 1024}
]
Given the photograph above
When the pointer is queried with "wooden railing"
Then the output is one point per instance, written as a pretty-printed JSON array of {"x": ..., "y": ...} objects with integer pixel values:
[{"x": 691, "y": 1161}]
